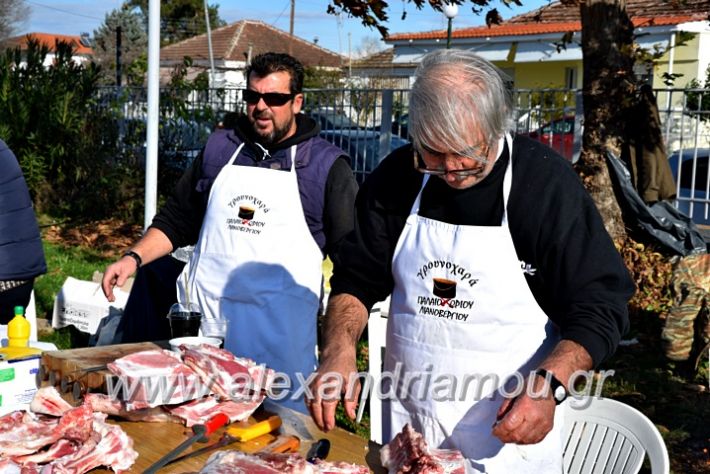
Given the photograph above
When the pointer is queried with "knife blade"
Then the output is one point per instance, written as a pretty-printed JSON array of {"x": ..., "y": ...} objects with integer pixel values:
[{"x": 200, "y": 433}]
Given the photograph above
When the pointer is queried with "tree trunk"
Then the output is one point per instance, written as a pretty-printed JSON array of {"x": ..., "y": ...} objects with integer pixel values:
[{"x": 608, "y": 91}]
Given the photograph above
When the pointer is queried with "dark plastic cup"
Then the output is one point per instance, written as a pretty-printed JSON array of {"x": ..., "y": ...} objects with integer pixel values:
[{"x": 184, "y": 320}]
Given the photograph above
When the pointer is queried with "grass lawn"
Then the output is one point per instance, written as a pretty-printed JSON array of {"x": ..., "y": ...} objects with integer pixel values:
[{"x": 674, "y": 396}]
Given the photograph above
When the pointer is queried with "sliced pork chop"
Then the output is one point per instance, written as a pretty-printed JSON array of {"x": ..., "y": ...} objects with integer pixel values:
[
  {"x": 227, "y": 375},
  {"x": 155, "y": 377},
  {"x": 200, "y": 411},
  {"x": 49, "y": 402},
  {"x": 102, "y": 403}
]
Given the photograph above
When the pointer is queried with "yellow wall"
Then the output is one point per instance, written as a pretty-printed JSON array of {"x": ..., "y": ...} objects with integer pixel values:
[
  {"x": 545, "y": 74},
  {"x": 685, "y": 61},
  {"x": 552, "y": 74}
]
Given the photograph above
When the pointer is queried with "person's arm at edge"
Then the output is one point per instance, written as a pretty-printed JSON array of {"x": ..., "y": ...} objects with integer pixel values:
[
  {"x": 153, "y": 245},
  {"x": 167, "y": 231},
  {"x": 346, "y": 318}
]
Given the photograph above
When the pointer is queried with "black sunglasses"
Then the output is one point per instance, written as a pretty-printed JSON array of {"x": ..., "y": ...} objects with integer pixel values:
[{"x": 270, "y": 98}]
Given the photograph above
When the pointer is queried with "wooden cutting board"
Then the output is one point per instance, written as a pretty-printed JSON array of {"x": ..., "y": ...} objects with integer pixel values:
[
  {"x": 66, "y": 368},
  {"x": 153, "y": 440}
]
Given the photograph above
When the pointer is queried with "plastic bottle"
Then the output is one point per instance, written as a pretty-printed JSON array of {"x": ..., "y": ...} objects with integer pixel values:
[{"x": 18, "y": 329}]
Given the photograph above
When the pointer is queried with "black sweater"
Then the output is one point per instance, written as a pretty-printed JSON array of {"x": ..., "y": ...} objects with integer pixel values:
[{"x": 580, "y": 280}]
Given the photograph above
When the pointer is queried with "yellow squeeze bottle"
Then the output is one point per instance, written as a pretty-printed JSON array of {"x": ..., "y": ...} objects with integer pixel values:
[{"x": 18, "y": 329}]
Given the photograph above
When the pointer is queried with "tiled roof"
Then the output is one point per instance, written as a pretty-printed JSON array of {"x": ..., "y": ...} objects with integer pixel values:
[
  {"x": 232, "y": 43},
  {"x": 48, "y": 39},
  {"x": 650, "y": 9},
  {"x": 558, "y": 18},
  {"x": 379, "y": 60}
]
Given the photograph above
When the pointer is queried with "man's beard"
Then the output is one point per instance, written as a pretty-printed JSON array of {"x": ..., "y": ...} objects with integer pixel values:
[{"x": 276, "y": 134}]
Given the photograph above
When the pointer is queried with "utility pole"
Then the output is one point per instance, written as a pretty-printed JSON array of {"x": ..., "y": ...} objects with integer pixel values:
[
  {"x": 118, "y": 56},
  {"x": 209, "y": 44},
  {"x": 290, "y": 29}
]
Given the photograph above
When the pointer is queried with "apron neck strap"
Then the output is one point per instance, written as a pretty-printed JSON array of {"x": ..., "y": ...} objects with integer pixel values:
[
  {"x": 241, "y": 145},
  {"x": 235, "y": 154},
  {"x": 508, "y": 179},
  {"x": 293, "y": 158}
]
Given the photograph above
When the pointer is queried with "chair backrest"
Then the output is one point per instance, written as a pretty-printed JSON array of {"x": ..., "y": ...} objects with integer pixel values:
[{"x": 606, "y": 436}]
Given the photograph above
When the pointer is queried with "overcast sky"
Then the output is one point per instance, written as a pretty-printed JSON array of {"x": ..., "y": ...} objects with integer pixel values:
[{"x": 311, "y": 20}]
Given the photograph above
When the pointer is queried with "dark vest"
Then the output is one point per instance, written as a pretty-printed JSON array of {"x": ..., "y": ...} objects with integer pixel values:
[
  {"x": 314, "y": 157},
  {"x": 21, "y": 254}
]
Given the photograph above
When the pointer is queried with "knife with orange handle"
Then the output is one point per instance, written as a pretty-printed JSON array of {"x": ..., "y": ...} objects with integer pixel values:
[{"x": 282, "y": 443}]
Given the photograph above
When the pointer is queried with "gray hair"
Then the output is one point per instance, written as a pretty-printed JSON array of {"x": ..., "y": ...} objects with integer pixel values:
[{"x": 453, "y": 89}]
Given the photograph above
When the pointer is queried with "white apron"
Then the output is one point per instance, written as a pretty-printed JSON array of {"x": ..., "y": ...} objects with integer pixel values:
[
  {"x": 478, "y": 318},
  {"x": 257, "y": 264}
]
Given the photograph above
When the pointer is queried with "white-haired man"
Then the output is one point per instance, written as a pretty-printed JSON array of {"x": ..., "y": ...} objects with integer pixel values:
[{"x": 498, "y": 266}]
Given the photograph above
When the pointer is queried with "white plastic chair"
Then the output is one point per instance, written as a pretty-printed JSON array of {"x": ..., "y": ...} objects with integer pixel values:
[
  {"x": 376, "y": 337},
  {"x": 606, "y": 436}
]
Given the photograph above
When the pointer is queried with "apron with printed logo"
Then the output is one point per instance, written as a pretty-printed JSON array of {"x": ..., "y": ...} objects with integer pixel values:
[
  {"x": 462, "y": 321},
  {"x": 257, "y": 265}
]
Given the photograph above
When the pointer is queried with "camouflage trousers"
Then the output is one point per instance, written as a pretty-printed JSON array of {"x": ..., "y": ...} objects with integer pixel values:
[{"x": 687, "y": 327}]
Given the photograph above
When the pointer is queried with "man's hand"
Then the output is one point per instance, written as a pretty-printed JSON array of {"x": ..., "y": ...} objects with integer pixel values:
[
  {"x": 154, "y": 244},
  {"x": 117, "y": 274},
  {"x": 345, "y": 320},
  {"x": 332, "y": 384},
  {"x": 526, "y": 419}
]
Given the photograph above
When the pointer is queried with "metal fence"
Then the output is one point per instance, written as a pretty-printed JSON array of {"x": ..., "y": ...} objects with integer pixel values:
[{"x": 369, "y": 123}]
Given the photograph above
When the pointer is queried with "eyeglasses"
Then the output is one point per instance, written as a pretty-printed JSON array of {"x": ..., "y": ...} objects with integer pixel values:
[
  {"x": 459, "y": 173},
  {"x": 270, "y": 98}
]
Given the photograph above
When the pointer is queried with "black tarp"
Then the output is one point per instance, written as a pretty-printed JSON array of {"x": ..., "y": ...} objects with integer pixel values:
[{"x": 660, "y": 221}]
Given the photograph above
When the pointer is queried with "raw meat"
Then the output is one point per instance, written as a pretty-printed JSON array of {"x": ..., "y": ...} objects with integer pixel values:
[
  {"x": 408, "y": 453},
  {"x": 61, "y": 448},
  {"x": 199, "y": 411},
  {"x": 32, "y": 433},
  {"x": 339, "y": 467},
  {"x": 75, "y": 443},
  {"x": 49, "y": 402},
  {"x": 108, "y": 446},
  {"x": 154, "y": 377},
  {"x": 236, "y": 462},
  {"x": 104, "y": 404},
  {"x": 7, "y": 466},
  {"x": 226, "y": 375}
]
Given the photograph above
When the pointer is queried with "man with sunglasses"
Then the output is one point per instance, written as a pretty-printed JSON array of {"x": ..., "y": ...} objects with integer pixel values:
[
  {"x": 503, "y": 280},
  {"x": 264, "y": 203}
]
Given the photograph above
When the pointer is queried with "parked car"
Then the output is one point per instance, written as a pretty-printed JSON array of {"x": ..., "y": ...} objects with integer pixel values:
[
  {"x": 557, "y": 134},
  {"x": 697, "y": 189},
  {"x": 363, "y": 146},
  {"x": 331, "y": 119}
]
